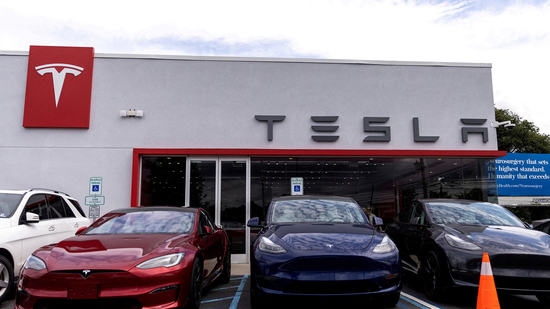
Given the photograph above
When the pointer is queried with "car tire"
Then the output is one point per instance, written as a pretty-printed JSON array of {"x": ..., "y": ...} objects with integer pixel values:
[
  {"x": 226, "y": 273},
  {"x": 431, "y": 275},
  {"x": 195, "y": 285},
  {"x": 6, "y": 278},
  {"x": 544, "y": 298}
]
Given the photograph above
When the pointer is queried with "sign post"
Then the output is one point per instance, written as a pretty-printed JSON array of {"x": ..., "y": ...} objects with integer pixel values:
[{"x": 95, "y": 199}]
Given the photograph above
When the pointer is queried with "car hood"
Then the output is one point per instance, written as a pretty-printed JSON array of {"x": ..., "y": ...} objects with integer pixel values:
[
  {"x": 506, "y": 238},
  {"x": 4, "y": 223},
  {"x": 120, "y": 252},
  {"x": 325, "y": 236}
]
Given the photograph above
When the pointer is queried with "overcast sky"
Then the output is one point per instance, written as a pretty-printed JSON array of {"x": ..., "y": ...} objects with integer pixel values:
[{"x": 514, "y": 36}]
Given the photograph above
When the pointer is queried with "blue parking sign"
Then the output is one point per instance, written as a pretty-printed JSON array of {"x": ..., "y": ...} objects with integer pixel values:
[{"x": 95, "y": 188}]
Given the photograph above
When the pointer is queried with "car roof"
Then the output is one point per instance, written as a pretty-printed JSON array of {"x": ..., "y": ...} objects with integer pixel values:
[
  {"x": 450, "y": 200},
  {"x": 40, "y": 190},
  {"x": 312, "y": 197},
  {"x": 155, "y": 208}
]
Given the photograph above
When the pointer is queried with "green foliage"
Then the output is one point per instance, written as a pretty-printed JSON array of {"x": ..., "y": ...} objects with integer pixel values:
[{"x": 524, "y": 138}]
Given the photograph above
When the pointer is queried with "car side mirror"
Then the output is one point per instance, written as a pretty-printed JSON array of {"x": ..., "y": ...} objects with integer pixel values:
[
  {"x": 378, "y": 221},
  {"x": 80, "y": 230},
  {"x": 31, "y": 217},
  {"x": 207, "y": 231},
  {"x": 254, "y": 222}
]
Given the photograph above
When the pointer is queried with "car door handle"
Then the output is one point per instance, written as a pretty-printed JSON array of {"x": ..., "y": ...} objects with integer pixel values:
[{"x": 52, "y": 228}]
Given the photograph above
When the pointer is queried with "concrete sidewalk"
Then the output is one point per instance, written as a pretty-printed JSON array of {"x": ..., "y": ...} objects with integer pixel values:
[{"x": 240, "y": 269}]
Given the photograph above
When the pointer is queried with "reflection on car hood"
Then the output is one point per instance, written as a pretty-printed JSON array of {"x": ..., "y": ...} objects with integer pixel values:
[
  {"x": 506, "y": 238},
  {"x": 120, "y": 252},
  {"x": 325, "y": 236}
]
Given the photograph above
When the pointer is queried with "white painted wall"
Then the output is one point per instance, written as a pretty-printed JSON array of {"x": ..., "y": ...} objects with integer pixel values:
[{"x": 201, "y": 102}]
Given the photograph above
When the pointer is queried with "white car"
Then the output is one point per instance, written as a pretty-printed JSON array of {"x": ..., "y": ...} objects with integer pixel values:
[{"x": 30, "y": 219}]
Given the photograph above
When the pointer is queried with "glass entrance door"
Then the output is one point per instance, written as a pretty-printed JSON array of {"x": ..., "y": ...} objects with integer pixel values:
[
  {"x": 220, "y": 185},
  {"x": 233, "y": 205}
]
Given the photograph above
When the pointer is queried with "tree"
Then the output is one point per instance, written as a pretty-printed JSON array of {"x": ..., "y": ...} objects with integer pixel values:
[{"x": 524, "y": 138}]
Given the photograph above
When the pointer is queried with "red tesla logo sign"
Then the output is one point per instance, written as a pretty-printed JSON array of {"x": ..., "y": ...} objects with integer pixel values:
[{"x": 59, "y": 87}]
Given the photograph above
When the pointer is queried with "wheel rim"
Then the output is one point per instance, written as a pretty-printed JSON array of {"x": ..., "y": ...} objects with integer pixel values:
[
  {"x": 4, "y": 279},
  {"x": 430, "y": 274}
]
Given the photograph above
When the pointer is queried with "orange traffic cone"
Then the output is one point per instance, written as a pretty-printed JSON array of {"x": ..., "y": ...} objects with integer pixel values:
[{"x": 487, "y": 297}]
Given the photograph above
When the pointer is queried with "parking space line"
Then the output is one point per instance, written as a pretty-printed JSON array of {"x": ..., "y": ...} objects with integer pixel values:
[
  {"x": 226, "y": 288},
  {"x": 235, "y": 298},
  {"x": 235, "y": 301},
  {"x": 217, "y": 299},
  {"x": 418, "y": 302}
]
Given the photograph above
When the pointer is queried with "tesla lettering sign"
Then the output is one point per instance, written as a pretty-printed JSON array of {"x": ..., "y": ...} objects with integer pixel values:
[
  {"x": 59, "y": 87},
  {"x": 523, "y": 174}
]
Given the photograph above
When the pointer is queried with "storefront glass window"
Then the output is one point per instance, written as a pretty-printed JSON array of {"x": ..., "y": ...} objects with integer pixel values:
[
  {"x": 162, "y": 181},
  {"x": 384, "y": 183}
]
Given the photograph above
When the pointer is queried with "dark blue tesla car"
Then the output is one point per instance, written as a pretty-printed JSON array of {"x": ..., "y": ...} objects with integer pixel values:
[{"x": 321, "y": 247}]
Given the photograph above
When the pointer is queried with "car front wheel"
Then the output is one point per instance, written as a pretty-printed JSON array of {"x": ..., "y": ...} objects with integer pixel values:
[
  {"x": 195, "y": 286},
  {"x": 6, "y": 278},
  {"x": 431, "y": 275},
  {"x": 226, "y": 273}
]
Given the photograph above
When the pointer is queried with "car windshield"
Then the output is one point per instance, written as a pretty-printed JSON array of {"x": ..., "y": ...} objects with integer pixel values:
[
  {"x": 474, "y": 214},
  {"x": 8, "y": 204},
  {"x": 145, "y": 222},
  {"x": 316, "y": 210}
]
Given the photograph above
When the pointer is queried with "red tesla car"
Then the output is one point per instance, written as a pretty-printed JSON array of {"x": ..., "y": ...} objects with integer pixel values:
[{"x": 153, "y": 257}]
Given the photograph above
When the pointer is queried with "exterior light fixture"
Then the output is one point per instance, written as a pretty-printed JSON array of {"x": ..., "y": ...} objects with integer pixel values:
[
  {"x": 508, "y": 125},
  {"x": 131, "y": 113}
]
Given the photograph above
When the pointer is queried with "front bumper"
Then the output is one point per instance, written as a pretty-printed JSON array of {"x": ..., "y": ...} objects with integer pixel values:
[
  {"x": 153, "y": 288},
  {"x": 320, "y": 276},
  {"x": 513, "y": 273}
]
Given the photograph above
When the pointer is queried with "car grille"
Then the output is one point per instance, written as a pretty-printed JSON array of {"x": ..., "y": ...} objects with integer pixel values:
[
  {"x": 331, "y": 287},
  {"x": 106, "y": 303},
  {"x": 332, "y": 264},
  {"x": 520, "y": 261}
]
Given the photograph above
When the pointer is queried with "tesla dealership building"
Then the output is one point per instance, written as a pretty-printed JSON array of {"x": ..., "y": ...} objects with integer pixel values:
[{"x": 229, "y": 134}]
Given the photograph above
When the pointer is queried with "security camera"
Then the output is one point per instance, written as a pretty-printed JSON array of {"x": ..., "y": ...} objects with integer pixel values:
[{"x": 509, "y": 126}]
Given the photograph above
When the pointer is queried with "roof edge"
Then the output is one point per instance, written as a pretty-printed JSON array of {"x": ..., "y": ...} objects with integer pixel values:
[{"x": 268, "y": 59}]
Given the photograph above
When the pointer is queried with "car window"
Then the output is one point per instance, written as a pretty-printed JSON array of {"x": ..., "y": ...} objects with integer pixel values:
[
  {"x": 144, "y": 222},
  {"x": 472, "y": 214},
  {"x": 77, "y": 206},
  {"x": 8, "y": 204},
  {"x": 417, "y": 214},
  {"x": 58, "y": 207},
  {"x": 316, "y": 210},
  {"x": 37, "y": 204},
  {"x": 405, "y": 214},
  {"x": 203, "y": 221}
]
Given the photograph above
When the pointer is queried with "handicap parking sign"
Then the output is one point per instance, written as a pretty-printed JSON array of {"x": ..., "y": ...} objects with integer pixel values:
[
  {"x": 96, "y": 185},
  {"x": 296, "y": 186}
]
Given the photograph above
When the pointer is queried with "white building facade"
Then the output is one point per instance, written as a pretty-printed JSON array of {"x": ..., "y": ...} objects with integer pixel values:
[{"x": 229, "y": 134}]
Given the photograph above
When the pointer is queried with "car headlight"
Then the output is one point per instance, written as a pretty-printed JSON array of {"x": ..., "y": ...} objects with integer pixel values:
[
  {"x": 385, "y": 246},
  {"x": 266, "y": 245},
  {"x": 168, "y": 260},
  {"x": 34, "y": 262},
  {"x": 460, "y": 243}
]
